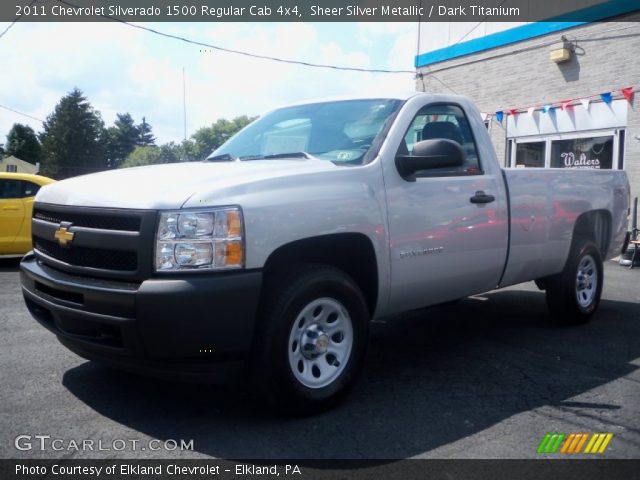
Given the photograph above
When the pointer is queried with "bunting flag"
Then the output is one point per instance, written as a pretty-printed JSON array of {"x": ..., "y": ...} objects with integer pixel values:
[
  {"x": 606, "y": 97},
  {"x": 569, "y": 104}
]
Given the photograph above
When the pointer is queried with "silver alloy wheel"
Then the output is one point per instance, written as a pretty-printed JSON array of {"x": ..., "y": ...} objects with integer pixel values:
[
  {"x": 320, "y": 342},
  {"x": 586, "y": 281}
]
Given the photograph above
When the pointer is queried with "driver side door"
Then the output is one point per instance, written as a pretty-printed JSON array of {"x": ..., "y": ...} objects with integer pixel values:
[
  {"x": 443, "y": 246},
  {"x": 12, "y": 213}
]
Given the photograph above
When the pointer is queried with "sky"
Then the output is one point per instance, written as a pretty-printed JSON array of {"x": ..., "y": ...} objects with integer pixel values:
[{"x": 123, "y": 69}]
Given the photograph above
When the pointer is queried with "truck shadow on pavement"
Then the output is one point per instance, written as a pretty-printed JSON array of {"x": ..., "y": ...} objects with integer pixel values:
[{"x": 432, "y": 377}]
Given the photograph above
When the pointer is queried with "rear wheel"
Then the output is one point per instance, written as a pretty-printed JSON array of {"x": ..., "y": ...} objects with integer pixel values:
[
  {"x": 573, "y": 295},
  {"x": 312, "y": 339}
]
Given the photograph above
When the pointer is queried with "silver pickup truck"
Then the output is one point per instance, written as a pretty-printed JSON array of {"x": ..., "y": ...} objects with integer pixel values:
[{"x": 277, "y": 251}]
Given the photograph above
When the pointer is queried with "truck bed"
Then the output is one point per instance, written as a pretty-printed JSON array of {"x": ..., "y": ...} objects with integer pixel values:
[{"x": 544, "y": 206}]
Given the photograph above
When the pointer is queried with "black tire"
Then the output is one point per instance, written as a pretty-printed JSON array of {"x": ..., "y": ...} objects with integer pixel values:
[
  {"x": 571, "y": 299},
  {"x": 287, "y": 296}
]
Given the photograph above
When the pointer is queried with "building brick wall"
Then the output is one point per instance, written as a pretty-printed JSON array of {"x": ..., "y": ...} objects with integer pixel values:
[{"x": 607, "y": 57}]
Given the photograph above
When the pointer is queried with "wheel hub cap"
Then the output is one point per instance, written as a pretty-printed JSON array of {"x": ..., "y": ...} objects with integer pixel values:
[
  {"x": 586, "y": 281},
  {"x": 320, "y": 342},
  {"x": 314, "y": 342}
]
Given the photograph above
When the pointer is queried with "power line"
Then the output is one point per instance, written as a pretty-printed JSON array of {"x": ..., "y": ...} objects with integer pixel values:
[
  {"x": 484, "y": 19},
  {"x": 245, "y": 53},
  {"x": 22, "y": 113},
  {"x": 15, "y": 20}
]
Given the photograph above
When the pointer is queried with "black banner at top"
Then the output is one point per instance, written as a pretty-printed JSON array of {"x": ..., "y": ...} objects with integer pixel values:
[{"x": 315, "y": 10}]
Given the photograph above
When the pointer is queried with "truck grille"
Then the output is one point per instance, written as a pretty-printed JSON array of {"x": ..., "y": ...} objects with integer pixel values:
[
  {"x": 107, "y": 222},
  {"x": 89, "y": 257},
  {"x": 106, "y": 242}
]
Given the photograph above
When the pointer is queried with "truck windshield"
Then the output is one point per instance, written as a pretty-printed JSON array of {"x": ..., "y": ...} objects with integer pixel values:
[{"x": 341, "y": 132}]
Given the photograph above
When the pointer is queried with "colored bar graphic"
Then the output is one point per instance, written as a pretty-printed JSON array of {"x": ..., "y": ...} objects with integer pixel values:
[
  {"x": 606, "y": 441},
  {"x": 557, "y": 443},
  {"x": 590, "y": 444},
  {"x": 543, "y": 443},
  {"x": 565, "y": 447},
  {"x": 572, "y": 443},
  {"x": 584, "y": 439}
]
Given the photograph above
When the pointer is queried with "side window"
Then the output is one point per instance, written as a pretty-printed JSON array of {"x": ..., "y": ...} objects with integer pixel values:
[
  {"x": 29, "y": 189},
  {"x": 10, "y": 189},
  {"x": 444, "y": 121}
]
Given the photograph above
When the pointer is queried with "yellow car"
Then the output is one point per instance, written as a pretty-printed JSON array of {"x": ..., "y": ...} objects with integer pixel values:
[{"x": 17, "y": 191}]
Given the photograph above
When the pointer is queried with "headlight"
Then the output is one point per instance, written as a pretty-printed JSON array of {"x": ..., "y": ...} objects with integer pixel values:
[{"x": 200, "y": 240}]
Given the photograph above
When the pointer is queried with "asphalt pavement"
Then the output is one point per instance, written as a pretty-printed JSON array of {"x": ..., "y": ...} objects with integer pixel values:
[{"x": 486, "y": 378}]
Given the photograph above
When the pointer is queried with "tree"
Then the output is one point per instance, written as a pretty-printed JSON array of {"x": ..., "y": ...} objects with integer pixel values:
[
  {"x": 207, "y": 139},
  {"x": 73, "y": 139},
  {"x": 122, "y": 138},
  {"x": 186, "y": 151},
  {"x": 145, "y": 136},
  {"x": 152, "y": 155},
  {"x": 23, "y": 143},
  {"x": 1, "y": 150}
]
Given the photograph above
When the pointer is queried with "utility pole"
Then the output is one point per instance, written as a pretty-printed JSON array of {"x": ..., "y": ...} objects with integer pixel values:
[{"x": 184, "y": 104}]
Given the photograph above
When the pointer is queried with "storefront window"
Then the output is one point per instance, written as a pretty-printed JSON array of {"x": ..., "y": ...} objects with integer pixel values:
[
  {"x": 530, "y": 154},
  {"x": 592, "y": 152}
]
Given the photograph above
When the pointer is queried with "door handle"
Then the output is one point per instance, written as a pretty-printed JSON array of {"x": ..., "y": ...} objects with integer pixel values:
[{"x": 481, "y": 197}]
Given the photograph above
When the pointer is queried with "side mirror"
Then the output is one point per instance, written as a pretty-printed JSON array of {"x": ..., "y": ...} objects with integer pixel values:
[{"x": 428, "y": 155}]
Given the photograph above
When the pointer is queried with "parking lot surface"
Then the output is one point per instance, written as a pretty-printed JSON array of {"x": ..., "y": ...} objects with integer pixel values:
[{"x": 486, "y": 378}]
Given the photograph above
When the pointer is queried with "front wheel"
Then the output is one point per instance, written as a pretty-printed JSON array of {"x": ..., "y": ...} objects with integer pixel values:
[
  {"x": 311, "y": 342},
  {"x": 573, "y": 295}
]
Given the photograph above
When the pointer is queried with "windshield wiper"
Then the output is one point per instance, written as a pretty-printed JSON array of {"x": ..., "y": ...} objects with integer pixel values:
[
  {"x": 223, "y": 157},
  {"x": 278, "y": 155}
]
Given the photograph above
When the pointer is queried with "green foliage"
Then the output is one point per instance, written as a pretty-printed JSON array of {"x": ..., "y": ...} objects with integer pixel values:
[
  {"x": 73, "y": 139},
  {"x": 198, "y": 147},
  {"x": 207, "y": 139},
  {"x": 186, "y": 151},
  {"x": 145, "y": 136},
  {"x": 122, "y": 138},
  {"x": 151, "y": 155},
  {"x": 23, "y": 143}
]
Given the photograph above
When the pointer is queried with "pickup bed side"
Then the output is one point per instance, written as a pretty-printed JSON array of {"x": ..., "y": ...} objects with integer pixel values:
[{"x": 548, "y": 207}]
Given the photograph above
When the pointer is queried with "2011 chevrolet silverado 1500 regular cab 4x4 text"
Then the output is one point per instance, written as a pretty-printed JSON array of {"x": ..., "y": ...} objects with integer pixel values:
[{"x": 279, "y": 249}]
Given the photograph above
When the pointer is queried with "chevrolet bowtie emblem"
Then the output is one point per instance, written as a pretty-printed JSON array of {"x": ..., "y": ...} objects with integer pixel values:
[{"x": 64, "y": 236}]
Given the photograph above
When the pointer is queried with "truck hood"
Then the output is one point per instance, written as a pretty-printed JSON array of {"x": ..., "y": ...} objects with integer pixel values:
[{"x": 171, "y": 185}]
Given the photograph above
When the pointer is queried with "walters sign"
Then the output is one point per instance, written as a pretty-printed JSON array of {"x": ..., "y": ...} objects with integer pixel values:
[
  {"x": 590, "y": 152},
  {"x": 571, "y": 160}
]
